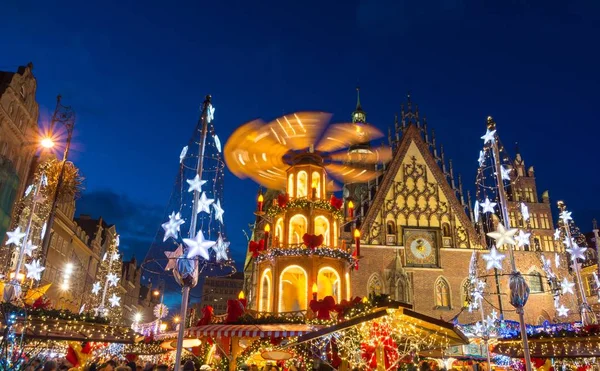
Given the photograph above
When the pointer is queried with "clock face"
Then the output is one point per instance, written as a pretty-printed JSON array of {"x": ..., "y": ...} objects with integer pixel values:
[{"x": 420, "y": 247}]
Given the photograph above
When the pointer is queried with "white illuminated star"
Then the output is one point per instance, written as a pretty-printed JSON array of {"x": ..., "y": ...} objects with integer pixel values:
[
  {"x": 505, "y": 172},
  {"x": 195, "y": 184},
  {"x": 556, "y": 260},
  {"x": 210, "y": 113},
  {"x": 220, "y": 248},
  {"x": 117, "y": 241},
  {"x": 218, "y": 211},
  {"x": 478, "y": 328},
  {"x": 524, "y": 211},
  {"x": 204, "y": 203},
  {"x": 481, "y": 158},
  {"x": 182, "y": 154},
  {"x": 28, "y": 190},
  {"x": 28, "y": 248},
  {"x": 557, "y": 234},
  {"x": 34, "y": 270},
  {"x": 494, "y": 314},
  {"x": 503, "y": 235},
  {"x": 173, "y": 256},
  {"x": 562, "y": 311},
  {"x": 15, "y": 236},
  {"x": 493, "y": 259},
  {"x": 115, "y": 256},
  {"x": 489, "y": 136},
  {"x": 487, "y": 206},
  {"x": 565, "y": 216},
  {"x": 218, "y": 143},
  {"x": 114, "y": 300},
  {"x": 112, "y": 279},
  {"x": 96, "y": 288},
  {"x": 567, "y": 286},
  {"x": 198, "y": 246},
  {"x": 576, "y": 252},
  {"x": 523, "y": 238},
  {"x": 476, "y": 211},
  {"x": 172, "y": 226}
]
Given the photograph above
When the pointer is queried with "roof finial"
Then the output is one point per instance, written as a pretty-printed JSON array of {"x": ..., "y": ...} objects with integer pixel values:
[{"x": 358, "y": 107}]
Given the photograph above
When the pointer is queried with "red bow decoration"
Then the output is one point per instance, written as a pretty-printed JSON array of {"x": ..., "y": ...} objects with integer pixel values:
[
  {"x": 149, "y": 338},
  {"x": 336, "y": 202},
  {"x": 283, "y": 199},
  {"x": 311, "y": 241},
  {"x": 235, "y": 309},
  {"x": 342, "y": 307},
  {"x": 41, "y": 303},
  {"x": 257, "y": 247},
  {"x": 275, "y": 341},
  {"x": 379, "y": 335},
  {"x": 207, "y": 314},
  {"x": 78, "y": 354},
  {"x": 323, "y": 307}
]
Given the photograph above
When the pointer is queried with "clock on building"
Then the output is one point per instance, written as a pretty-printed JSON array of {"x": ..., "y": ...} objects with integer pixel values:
[{"x": 420, "y": 247}]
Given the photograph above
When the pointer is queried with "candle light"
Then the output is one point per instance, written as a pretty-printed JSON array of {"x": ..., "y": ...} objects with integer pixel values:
[
  {"x": 267, "y": 230},
  {"x": 242, "y": 298},
  {"x": 315, "y": 289},
  {"x": 350, "y": 209},
  {"x": 357, "y": 241},
  {"x": 261, "y": 200}
]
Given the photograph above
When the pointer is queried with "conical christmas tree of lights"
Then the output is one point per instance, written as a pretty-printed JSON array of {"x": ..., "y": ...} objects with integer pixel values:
[
  {"x": 576, "y": 247},
  {"x": 105, "y": 298},
  {"x": 493, "y": 223},
  {"x": 192, "y": 240}
]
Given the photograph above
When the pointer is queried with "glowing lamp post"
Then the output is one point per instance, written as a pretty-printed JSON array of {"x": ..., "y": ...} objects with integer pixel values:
[
  {"x": 315, "y": 289},
  {"x": 350, "y": 209},
  {"x": 261, "y": 201}
]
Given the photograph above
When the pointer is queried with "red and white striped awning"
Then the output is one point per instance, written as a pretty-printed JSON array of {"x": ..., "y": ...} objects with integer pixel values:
[{"x": 263, "y": 331}]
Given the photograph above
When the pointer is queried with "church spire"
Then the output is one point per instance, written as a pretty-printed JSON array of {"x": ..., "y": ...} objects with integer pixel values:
[{"x": 359, "y": 116}]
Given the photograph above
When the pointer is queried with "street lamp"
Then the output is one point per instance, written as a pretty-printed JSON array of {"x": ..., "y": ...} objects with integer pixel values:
[{"x": 65, "y": 116}]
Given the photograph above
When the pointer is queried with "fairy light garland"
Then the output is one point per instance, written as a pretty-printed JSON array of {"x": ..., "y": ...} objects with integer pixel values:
[
  {"x": 325, "y": 252},
  {"x": 304, "y": 204}
]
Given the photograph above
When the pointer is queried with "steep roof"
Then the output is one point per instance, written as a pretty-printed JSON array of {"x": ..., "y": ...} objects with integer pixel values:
[{"x": 90, "y": 226}]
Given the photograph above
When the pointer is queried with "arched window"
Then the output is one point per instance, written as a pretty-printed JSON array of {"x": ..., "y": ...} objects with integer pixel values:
[
  {"x": 290, "y": 189},
  {"x": 348, "y": 294},
  {"x": 535, "y": 282},
  {"x": 298, "y": 227},
  {"x": 329, "y": 284},
  {"x": 442, "y": 293},
  {"x": 264, "y": 305},
  {"x": 293, "y": 289},
  {"x": 465, "y": 293},
  {"x": 446, "y": 230},
  {"x": 316, "y": 185},
  {"x": 374, "y": 285},
  {"x": 322, "y": 227},
  {"x": 302, "y": 188},
  {"x": 278, "y": 232},
  {"x": 402, "y": 290},
  {"x": 391, "y": 227}
]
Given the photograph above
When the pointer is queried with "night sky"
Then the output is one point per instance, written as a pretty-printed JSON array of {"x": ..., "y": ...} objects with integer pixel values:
[{"x": 136, "y": 73}]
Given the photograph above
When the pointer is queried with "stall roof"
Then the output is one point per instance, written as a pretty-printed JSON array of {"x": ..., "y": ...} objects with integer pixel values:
[{"x": 264, "y": 331}]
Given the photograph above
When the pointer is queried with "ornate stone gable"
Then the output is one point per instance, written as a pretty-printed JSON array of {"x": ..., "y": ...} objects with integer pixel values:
[{"x": 414, "y": 192}]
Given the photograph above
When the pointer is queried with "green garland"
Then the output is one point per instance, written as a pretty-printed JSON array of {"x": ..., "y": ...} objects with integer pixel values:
[
  {"x": 303, "y": 203},
  {"x": 56, "y": 314},
  {"x": 304, "y": 251},
  {"x": 267, "y": 320}
]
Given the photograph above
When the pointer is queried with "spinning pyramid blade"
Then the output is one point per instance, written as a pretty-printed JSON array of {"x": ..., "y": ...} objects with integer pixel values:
[
  {"x": 351, "y": 174},
  {"x": 252, "y": 152},
  {"x": 340, "y": 136},
  {"x": 299, "y": 130},
  {"x": 366, "y": 156},
  {"x": 332, "y": 187}
]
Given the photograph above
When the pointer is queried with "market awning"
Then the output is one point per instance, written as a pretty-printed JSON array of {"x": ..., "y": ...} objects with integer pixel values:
[
  {"x": 557, "y": 347},
  {"x": 264, "y": 331}
]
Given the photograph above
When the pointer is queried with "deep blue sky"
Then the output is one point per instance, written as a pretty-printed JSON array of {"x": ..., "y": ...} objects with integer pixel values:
[{"x": 136, "y": 73}]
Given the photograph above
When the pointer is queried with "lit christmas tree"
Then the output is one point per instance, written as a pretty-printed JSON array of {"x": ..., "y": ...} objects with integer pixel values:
[{"x": 106, "y": 300}]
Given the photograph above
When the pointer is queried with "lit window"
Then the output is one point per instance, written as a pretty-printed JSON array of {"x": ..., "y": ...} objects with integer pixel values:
[
  {"x": 302, "y": 189},
  {"x": 374, "y": 286},
  {"x": 442, "y": 293},
  {"x": 297, "y": 229},
  {"x": 535, "y": 282}
]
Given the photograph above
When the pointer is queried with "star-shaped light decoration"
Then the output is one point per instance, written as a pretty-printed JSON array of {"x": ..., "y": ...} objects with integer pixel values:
[
  {"x": 204, "y": 203},
  {"x": 218, "y": 143},
  {"x": 114, "y": 300},
  {"x": 489, "y": 136},
  {"x": 567, "y": 286},
  {"x": 487, "y": 206},
  {"x": 117, "y": 240},
  {"x": 28, "y": 190},
  {"x": 182, "y": 154},
  {"x": 523, "y": 238},
  {"x": 195, "y": 184},
  {"x": 221, "y": 249},
  {"x": 172, "y": 226},
  {"x": 493, "y": 259},
  {"x": 39, "y": 198},
  {"x": 173, "y": 256},
  {"x": 494, "y": 314},
  {"x": 556, "y": 260},
  {"x": 198, "y": 246},
  {"x": 210, "y": 113},
  {"x": 576, "y": 251},
  {"x": 503, "y": 236},
  {"x": 478, "y": 328},
  {"x": 218, "y": 211},
  {"x": 44, "y": 180},
  {"x": 524, "y": 211},
  {"x": 562, "y": 311},
  {"x": 481, "y": 158},
  {"x": 15, "y": 236},
  {"x": 565, "y": 216},
  {"x": 34, "y": 270},
  {"x": 96, "y": 288},
  {"x": 115, "y": 256},
  {"x": 28, "y": 248},
  {"x": 112, "y": 279},
  {"x": 476, "y": 211},
  {"x": 505, "y": 172},
  {"x": 557, "y": 234}
]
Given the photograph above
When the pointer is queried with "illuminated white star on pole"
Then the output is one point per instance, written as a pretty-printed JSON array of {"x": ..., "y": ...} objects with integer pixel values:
[
  {"x": 489, "y": 136},
  {"x": 210, "y": 113},
  {"x": 577, "y": 252},
  {"x": 195, "y": 184},
  {"x": 221, "y": 249},
  {"x": 557, "y": 234},
  {"x": 476, "y": 211},
  {"x": 112, "y": 279},
  {"x": 567, "y": 286},
  {"x": 565, "y": 216},
  {"x": 173, "y": 256},
  {"x": 182, "y": 154},
  {"x": 15, "y": 236},
  {"x": 503, "y": 236},
  {"x": 505, "y": 173},
  {"x": 487, "y": 206},
  {"x": 28, "y": 248},
  {"x": 218, "y": 211},
  {"x": 556, "y": 260},
  {"x": 172, "y": 226},
  {"x": 524, "y": 211},
  {"x": 96, "y": 288},
  {"x": 523, "y": 238},
  {"x": 114, "y": 300},
  {"x": 493, "y": 259},
  {"x": 218, "y": 143},
  {"x": 198, "y": 246},
  {"x": 204, "y": 203},
  {"x": 481, "y": 158},
  {"x": 562, "y": 311},
  {"x": 34, "y": 270}
]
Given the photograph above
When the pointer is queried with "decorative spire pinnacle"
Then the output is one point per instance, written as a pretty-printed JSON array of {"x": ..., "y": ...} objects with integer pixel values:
[
  {"x": 358, "y": 107},
  {"x": 359, "y": 116}
]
